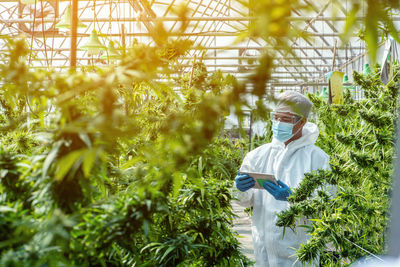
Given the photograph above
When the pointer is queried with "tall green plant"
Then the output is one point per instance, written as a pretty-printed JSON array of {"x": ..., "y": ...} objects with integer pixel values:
[
  {"x": 112, "y": 176},
  {"x": 358, "y": 136}
]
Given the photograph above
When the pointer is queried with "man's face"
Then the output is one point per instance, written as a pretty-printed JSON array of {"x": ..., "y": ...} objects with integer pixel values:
[{"x": 291, "y": 118}]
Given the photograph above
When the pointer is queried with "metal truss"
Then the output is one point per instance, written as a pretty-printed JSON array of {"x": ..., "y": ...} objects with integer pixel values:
[{"x": 214, "y": 25}]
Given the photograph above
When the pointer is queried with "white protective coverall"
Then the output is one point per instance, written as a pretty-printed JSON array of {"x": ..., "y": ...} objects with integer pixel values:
[{"x": 288, "y": 164}]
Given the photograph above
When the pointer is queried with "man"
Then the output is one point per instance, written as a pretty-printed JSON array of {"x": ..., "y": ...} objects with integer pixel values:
[{"x": 290, "y": 154}]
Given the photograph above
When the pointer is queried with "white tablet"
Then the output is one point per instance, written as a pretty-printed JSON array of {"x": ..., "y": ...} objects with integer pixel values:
[{"x": 261, "y": 178}]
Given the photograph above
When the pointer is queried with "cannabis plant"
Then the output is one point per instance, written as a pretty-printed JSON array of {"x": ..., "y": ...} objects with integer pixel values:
[{"x": 359, "y": 137}]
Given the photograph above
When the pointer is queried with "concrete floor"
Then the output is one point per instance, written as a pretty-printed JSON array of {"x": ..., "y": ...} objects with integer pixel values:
[{"x": 242, "y": 225}]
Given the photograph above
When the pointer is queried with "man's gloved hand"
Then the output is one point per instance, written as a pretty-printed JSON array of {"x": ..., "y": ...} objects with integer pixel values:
[
  {"x": 244, "y": 182},
  {"x": 280, "y": 191}
]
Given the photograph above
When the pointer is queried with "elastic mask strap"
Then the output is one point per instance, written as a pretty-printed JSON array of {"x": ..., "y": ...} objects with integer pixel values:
[{"x": 298, "y": 129}]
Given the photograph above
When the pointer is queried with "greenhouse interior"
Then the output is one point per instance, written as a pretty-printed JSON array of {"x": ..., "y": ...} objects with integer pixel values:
[{"x": 199, "y": 133}]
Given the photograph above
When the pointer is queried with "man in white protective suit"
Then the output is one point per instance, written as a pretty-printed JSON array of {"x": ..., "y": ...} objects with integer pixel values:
[{"x": 288, "y": 157}]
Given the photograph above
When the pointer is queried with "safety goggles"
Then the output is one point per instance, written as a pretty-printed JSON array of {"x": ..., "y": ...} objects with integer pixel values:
[{"x": 282, "y": 117}]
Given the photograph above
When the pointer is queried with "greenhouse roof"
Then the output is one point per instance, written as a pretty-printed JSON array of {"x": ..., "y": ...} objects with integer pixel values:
[{"x": 214, "y": 26}]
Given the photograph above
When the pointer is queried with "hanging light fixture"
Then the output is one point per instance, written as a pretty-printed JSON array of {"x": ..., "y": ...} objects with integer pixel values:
[
  {"x": 93, "y": 46},
  {"x": 65, "y": 22},
  {"x": 345, "y": 78},
  {"x": 367, "y": 69},
  {"x": 112, "y": 53}
]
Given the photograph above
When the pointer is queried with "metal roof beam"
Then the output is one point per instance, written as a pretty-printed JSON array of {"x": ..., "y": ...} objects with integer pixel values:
[
  {"x": 136, "y": 6},
  {"x": 303, "y": 84},
  {"x": 219, "y": 11},
  {"x": 169, "y": 8},
  {"x": 176, "y": 34},
  {"x": 217, "y": 48},
  {"x": 304, "y": 66},
  {"x": 309, "y": 24},
  {"x": 189, "y": 65},
  {"x": 326, "y": 21},
  {"x": 254, "y": 65},
  {"x": 177, "y": 19},
  {"x": 147, "y": 7},
  {"x": 316, "y": 10}
]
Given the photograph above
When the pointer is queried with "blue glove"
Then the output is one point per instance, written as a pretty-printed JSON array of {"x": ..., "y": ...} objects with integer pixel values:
[
  {"x": 244, "y": 182},
  {"x": 280, "y": 191}
]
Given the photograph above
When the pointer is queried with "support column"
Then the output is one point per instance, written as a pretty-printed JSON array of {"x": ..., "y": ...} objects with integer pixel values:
[{"x": 74, "y": 30}]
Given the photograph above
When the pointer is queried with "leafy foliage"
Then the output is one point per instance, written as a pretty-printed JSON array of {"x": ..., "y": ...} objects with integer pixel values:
[
  {"x": 114, "y": 167},
  {"x": 123, "y": 171},
  {"x": 359, "y": 138}
]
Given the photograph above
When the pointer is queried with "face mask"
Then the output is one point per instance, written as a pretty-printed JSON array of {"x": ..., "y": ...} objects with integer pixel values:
[{"x": 282, "y": 131}]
